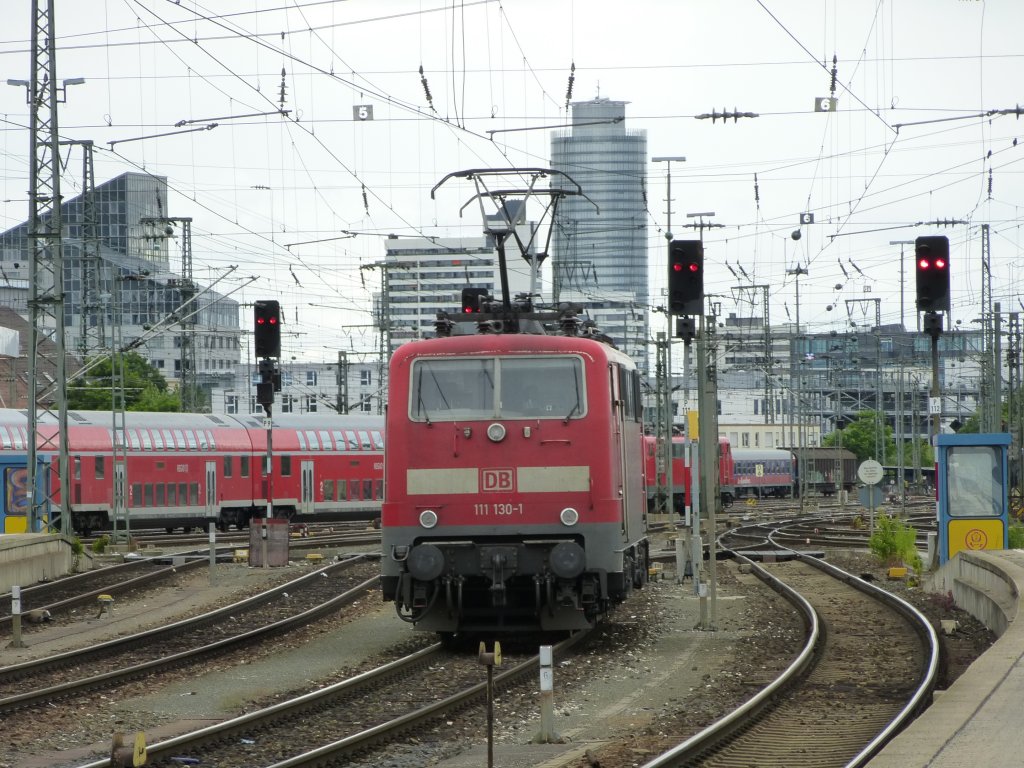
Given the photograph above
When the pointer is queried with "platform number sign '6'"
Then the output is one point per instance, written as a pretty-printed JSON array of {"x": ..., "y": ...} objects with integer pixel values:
[{"x": 362, "y": 112}]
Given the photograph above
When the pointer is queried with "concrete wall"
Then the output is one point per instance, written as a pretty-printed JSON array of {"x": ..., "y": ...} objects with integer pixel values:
[
  {"x": 986, "y": 585},
  {"x": 27, "y": 558}
]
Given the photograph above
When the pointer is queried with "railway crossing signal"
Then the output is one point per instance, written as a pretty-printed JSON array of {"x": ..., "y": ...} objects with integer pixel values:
[
  {"x": 932, "y": 269},
  {"x": 267, "y": 328},
  {"x": 686, "y": 277}
]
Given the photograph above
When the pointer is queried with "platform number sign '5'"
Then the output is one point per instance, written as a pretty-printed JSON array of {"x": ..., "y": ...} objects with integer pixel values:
[{"x": 362, "y": 112}]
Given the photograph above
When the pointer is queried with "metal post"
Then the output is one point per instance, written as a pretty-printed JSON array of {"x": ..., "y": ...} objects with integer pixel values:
[
  {"x": 800, "y": 469},
  {"x": 213, "y": 550},
  {"x": 709, "y": 454},
  {"x": 669, "y": 474},
  {"x": 687, "y": 454},
  {"x": 268, "y": 422},
  {"x": 16, "y": 641},
  {"x": 547, "y": 733}
]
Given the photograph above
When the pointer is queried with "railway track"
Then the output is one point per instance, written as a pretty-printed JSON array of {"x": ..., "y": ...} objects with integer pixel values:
[
  {"x": 83, "y": 588},
  {"x": 868, "y": 667},
  {"x": 337, "y": 722},
  {"x": 62, "y": 595},
  {"x": 225, "y": 630}
]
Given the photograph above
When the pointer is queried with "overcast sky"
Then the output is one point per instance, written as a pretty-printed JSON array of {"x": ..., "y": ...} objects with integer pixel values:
[{"x": 915, "y": 138}]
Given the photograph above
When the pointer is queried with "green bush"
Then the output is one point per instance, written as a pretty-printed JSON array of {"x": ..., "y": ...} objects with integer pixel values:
[
  {"x": 100, "y": 545},
  {"x": 1016, "y": 536},
  {"x": 895, "y": 542}
]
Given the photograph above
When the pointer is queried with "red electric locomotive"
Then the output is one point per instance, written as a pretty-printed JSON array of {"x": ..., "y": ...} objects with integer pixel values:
[
  {"x": 681, "y": 473},
  {"x": 515, "y": 494},
  {"x": 185, "y": 470}
]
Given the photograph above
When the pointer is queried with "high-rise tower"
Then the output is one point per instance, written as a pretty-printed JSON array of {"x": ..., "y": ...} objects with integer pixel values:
[{"x": 600, "y": 253}]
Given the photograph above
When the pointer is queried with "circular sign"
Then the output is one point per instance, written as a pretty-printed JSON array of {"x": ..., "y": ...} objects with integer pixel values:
[{"x": 870, "y": 472}]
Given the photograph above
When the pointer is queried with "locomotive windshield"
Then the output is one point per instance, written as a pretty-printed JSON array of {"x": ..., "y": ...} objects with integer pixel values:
[{"x": 503, "y": 387}]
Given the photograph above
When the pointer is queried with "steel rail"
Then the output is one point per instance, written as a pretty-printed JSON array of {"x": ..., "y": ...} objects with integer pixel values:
[{"x": 19, "y": 671}]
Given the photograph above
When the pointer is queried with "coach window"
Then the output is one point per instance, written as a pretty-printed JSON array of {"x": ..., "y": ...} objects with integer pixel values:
[
  {"x": 286, "y": 466},
  {"x": 301, "y": 439},
  {"x": 353, "y": 490},
  {"x": 183, "y": 493},
  {"x": 147, "y": 444},
  {"x": 210, "y": 442},
  {"x": 172, "y": 494},
  {"x": 314, "y": 444},
  {"x": 190, "y": 437},
  {"x": 137, "y": 494},
  {"x": 339, "y": 440},
  {"x": 5, "y": 438},
  {"x": 100, "y": 467},
  {"x": 168, "y": 439},
  {"x": 367, "y": 489},
  {"x": 193, "y": 494},
  {"x": 158, "y": 441},
  {"x": 364, "y": 440},
  {"x": 133, "y": 440},
  {"x": 201, "y": 435},
  {"x": 328, "y": 490},
  {"x": 148, "y": 489},
  {"x": 243, "y": 468},
  {"x": 379, "y": 491},
  {"x": 159, "y": 495},
  {"x": 325, "y": 439},
  {"x": 179, "y": 439},
  {"x": 350, "y": 439},
  {"x": 342, "y": 490},
  {"x": 228, "y": 470},
  {"x": 378, "y": 440}
]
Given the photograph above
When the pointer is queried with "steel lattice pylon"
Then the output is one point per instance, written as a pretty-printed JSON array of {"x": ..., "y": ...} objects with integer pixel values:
[
  {"x": 92, "y": 334},
  {"x": 187, "y": 381},
  {"x": 47, "y": 364}
]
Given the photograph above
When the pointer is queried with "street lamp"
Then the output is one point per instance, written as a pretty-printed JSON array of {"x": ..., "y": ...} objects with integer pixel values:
[
  {"x": 668, "y": 160},
  {"x": 666, "y": 426}
]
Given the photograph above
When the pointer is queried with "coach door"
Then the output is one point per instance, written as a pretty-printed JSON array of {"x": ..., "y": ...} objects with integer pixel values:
[
  {"x": 306, "y": 504},
  {"x": 211, "y": 490}
]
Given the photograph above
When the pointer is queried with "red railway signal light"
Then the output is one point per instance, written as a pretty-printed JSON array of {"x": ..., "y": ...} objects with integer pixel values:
[
  {"x": 686, "y": 277},
  {"x": 267, "y": 329},
  {"x": 932, "y": 271},
  {"x": 472, "y": 299}
]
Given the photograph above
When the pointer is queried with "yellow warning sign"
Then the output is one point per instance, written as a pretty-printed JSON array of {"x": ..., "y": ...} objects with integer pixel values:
[{"x": 974, "y": 534}]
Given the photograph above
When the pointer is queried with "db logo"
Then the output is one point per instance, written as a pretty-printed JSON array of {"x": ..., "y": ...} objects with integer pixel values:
[{"x": 497, "y": 479}]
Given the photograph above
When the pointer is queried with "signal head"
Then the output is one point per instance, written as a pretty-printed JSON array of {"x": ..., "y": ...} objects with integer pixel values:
[
  {"x": 267, "y": 335},
  {"x": 686, "y": 277},
  {"x": 932, "y": 272}
]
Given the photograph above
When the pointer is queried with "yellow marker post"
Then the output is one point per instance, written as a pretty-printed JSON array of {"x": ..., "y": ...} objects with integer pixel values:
[{"x": 490, "y": 660}]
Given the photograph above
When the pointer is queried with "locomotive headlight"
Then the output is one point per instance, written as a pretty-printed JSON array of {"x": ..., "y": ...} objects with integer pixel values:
[
  {"x": 569, "y": 516},
  {"x": 428, "y": 518},
  {"x": 496, "y": 432}
]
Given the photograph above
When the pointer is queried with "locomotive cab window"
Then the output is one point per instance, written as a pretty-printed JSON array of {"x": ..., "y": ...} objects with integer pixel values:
[{"x": 518, "y": 387}]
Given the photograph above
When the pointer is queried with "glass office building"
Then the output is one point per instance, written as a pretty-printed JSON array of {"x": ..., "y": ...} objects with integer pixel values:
[
  {"x": 599, "y": 246},
  {"x": 138, "y": 286}
]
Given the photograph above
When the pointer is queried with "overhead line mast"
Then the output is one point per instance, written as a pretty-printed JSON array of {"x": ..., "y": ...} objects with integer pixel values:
[{"x": 47, "y": 363}]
